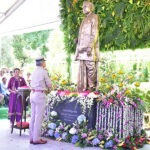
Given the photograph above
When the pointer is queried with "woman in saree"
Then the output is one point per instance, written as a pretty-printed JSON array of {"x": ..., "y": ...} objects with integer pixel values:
[{"x": 15, "y": 103}]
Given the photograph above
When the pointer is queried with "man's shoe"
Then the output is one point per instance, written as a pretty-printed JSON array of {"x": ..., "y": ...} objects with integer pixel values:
[
  {"x": 40, "y": 142},
  {"x": 43, "y": 140}
]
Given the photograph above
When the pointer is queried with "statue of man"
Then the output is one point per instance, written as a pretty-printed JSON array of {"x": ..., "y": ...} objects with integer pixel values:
[{"x": 87, "y": 50}]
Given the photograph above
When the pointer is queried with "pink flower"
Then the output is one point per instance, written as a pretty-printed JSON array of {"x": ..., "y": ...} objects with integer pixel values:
[
  {"x": 83, "y": 135},
  {"x": 62, "y": 93},
  {"x": 110, "y": 100},
  {"x": 118, "y": 96},
  {"x": 84, "y": 93}
]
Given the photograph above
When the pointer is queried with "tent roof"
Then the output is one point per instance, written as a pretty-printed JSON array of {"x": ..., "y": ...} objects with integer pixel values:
[{"x": 29, "y": 16}]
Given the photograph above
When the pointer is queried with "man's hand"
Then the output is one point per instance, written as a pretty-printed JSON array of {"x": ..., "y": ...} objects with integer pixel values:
[
  {"x": 89, "y": 51},
  {"x": 81, "y": 50}
]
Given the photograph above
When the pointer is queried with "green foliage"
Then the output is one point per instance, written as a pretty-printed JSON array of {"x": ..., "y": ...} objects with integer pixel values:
[
  {"x": 124, "y": 24},
  {"x": 29, "y": 41},
  {"x": 68, "y": 60},
  {"x": 147, "y": 101},
  {"x": 6, "y": 52},
  {"x": 3, "y": 113},
  {"x": 36, "y": 40}
]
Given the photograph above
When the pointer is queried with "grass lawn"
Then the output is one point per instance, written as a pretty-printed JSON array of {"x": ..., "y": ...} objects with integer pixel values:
[{"x": 3, "y": 113}]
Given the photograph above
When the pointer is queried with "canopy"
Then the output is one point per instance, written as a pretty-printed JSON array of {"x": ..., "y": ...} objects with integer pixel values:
[{"x": 28, "y": 16}]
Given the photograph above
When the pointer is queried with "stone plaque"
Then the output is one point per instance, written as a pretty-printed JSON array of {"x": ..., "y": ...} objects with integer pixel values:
[{"x": 69, "y": 111}]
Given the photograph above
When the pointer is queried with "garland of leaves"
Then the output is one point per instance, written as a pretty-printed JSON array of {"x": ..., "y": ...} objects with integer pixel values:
[{"x": 124, "y": 24}]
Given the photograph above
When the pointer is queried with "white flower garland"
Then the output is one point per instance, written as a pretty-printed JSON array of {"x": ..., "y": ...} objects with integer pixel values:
[{"x": 85, "y": 102}]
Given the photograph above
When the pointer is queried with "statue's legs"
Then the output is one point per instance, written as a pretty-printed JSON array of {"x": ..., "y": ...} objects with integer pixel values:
[
  {"x": 82, "y": 77},
  {"x": 92, "y": 75},
  {"x": 87, "y": 76}
]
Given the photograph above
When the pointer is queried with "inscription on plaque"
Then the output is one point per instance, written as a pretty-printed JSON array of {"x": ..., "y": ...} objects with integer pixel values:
[{"x": 69, "y": 115}]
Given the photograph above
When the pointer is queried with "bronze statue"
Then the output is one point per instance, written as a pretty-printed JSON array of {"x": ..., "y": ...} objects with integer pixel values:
[{"x": 87, "y": 50}]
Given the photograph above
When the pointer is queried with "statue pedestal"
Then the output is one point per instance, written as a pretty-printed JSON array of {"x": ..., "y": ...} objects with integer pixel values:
[
  {"x": 69, "y": 111},
  {"x": 123, "y": 120}
]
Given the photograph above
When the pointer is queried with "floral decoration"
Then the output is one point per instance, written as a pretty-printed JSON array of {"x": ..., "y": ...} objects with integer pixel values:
[{"x": 78, "y": 134}]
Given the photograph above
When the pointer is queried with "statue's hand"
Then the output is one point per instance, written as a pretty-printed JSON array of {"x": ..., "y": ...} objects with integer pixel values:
[{"x": 89, "y": 51}]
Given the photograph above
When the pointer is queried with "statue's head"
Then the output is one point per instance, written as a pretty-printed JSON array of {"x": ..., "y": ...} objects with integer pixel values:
[{"x": 87, "y": 7}]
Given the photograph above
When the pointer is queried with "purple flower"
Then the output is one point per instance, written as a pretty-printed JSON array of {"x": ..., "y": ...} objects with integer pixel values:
[
  {"x": 116, "y": 140},
  {"x": 134, "y": 104},
  {"x": 95, "y": 141},
  {"x": 109, "y": 144},
  {"x": 61, "y": 127},
  {"x": 107, "y": 104},
  {"x": 64, "y": 136},
  {"x": 52, "y": 125},
  {"x": 100, "y": 136},
  {"x": 122, "y": 103},
  {"x": 50, "y": 132},
  {"x": 83, "y": 135},
  {"x": 115, "y": 147},
  {"x": 74, "y": 139},
  {"x": 127, "y": 141},
  {"x": 81, "y": 119},
  {"x": 104, "y": 101},
  {"x": 57, "y": 135}
]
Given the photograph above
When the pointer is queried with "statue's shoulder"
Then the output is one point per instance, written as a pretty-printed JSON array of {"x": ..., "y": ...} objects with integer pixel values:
[{"x": 94, "y": 16}]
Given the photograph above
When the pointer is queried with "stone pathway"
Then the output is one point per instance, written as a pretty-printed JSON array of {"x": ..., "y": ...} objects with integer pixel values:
[{"x": 14, "y": 141}]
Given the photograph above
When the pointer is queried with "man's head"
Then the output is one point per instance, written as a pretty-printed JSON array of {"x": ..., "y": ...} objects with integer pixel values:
[
  {"x": 11, "y": 73},
  {"x": 4, "y": 80},
  {"x": 40, "y": 61},
  {"x": 87, "y": 7}
]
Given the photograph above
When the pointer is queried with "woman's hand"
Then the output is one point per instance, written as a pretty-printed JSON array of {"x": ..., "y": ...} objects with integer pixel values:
[{"x": 14, "y": 91}]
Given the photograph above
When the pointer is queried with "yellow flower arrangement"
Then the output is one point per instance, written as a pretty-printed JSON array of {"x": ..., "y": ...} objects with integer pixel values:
[
  {"x": 130, "y": 77},
  {"x": 127, "y": 92},
  {"x": 120, "y": 72},
  {"x": 102, "y": 142},
  {"x": 108, "y": 86},
  {"x": 121, "y": 84},
  {"x": 113, "y": 76},
  {"x": 101, "y": 146},
  {"x": 102, "y": 80},
  {"x": 91, "y": 137},
  {"x": 121, "y": 143},
  {"x": 54, "y": 78},
  {"x": 137, "y": 84}
]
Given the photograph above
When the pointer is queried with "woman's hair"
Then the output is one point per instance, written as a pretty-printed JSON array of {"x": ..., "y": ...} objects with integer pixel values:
[{"x": 16, "y": 69}]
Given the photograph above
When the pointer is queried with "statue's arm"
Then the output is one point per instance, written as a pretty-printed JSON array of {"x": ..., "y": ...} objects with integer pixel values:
[{"x": 94, "y": 31}]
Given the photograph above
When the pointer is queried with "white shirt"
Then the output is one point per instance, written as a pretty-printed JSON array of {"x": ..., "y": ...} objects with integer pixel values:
[{"x": 40, "y": 79}]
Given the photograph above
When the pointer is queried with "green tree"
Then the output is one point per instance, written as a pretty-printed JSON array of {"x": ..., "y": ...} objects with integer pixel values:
[
  {"x": 6, "y": 52},
  {"x": 124, "y": 24},
  {"x": 29, "y": 41}
]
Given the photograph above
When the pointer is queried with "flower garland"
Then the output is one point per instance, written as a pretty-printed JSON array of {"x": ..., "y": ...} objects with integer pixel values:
[{"x": 85, "y": 102}]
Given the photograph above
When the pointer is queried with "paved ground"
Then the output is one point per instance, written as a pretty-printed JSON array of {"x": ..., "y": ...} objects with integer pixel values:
[{"x": 14, "y": 141}]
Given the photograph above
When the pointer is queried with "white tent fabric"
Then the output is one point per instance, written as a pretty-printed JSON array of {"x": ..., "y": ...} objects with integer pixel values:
[{"x": 32, "y": 15}]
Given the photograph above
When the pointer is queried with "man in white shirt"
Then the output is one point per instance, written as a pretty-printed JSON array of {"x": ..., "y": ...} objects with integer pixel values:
[{"x": 40, "y": 82}]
